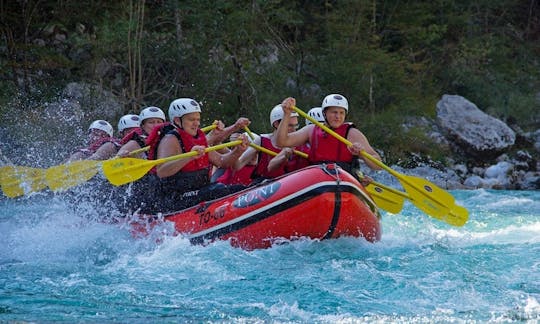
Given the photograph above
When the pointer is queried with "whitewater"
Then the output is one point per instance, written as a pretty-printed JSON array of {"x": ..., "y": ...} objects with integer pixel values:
[{"x": 59, "y": 264}]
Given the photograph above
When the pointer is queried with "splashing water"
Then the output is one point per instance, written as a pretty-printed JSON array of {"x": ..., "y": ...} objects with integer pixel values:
[{"x": 57, "y": 264}]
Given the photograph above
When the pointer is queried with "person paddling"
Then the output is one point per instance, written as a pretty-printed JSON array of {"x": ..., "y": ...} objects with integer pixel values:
[
  {"x": 325, "y": 148},
  {"x": 186, "y": 182},
  {"x": 128, "y": 123},
  {"x": 136, "y": 139},
  {"x": 270, "y": 166},
  {"x": 101, "y": 145}
]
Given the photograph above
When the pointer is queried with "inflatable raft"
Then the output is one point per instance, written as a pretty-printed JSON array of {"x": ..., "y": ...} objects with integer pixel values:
[{"x": 318, "y": 202}]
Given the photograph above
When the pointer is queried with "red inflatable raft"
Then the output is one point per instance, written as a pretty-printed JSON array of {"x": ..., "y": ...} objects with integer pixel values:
[{"x": 318, "y": 202}]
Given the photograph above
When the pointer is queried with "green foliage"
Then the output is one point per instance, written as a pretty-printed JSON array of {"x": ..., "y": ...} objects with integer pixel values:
[{"x": 391, "y": 59}]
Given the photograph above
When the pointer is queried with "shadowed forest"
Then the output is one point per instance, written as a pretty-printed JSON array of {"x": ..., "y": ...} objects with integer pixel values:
[{"x": 392, "y": 59}]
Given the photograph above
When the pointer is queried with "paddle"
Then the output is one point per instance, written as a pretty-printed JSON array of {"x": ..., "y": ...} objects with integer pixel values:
[
  {"x": 267, "y": 151},
  {"x": 425, "y": 195},
  {"x": 126, "y": 170},
  {"x": 392, "y": 200},
  {"x": 250, "y": 134},
  {"x": 65, "y": 176},
  {"x": 386, "y": 198},
  {"x": 272, "y": 153},
  {"x": 71, "y": 174},
  {"x": 18, "y": 180}
]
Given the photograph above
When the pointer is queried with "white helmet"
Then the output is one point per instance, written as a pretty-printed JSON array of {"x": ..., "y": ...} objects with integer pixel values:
[
  {"x": 277, "y": 114},
  {"x": 128, "y": 121},
  {"x": 335, "y": 100},
  {"x": 152, "y": 112},
  {"x": 182, "y": 106},
  {"x": 315, "y": 113},
  {"x": 102, "y": 125}
]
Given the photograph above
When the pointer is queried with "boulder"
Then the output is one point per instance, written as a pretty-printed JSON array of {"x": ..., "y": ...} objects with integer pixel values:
[
  {"x": 476, "y": 133},
  {"x": 97, "y": 102}
]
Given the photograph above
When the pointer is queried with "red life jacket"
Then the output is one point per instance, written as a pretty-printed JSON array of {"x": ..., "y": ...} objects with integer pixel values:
[
  {"x": 137, "y": 135},
  {"x": 297, "y": 162},
  {"x": 242, "y": 176},
  {"x": 155, "y": 137},
  {"x": 186, "y": 143},
  {"x": 326, "y": 148},
  {"x": 264, "y": 159}
]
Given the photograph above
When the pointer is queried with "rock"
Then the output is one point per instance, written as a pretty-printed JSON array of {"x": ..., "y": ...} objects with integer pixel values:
[
  {"x": 97, "y": 102},
  {"x": 499, "y": 170},
  {"x": 478, "y": 134}
]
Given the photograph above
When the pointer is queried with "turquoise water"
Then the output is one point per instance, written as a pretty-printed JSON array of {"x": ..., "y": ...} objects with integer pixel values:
[{"x": 56, "y": 265}]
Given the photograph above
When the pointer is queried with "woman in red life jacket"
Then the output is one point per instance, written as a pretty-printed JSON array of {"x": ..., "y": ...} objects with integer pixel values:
[
  {"x": 325, "y": 148},
  {"x": 101, "y": 143},
  {"x": 271, "y": 166},
  {"x": 185, "y": 182},
  {"x": 148, "y": 118}
]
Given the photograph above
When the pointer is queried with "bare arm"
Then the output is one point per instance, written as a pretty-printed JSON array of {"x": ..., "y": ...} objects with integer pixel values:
[
  {"x": 277, "y": 161},
  {"x": 170, "y": 146},
  {"x": 228, "y": 159},
  {"x": 283, "y": 137},
  {"x": 219, "y": 134},
  {"x": 248, "y": 155},
  {"x": 360, "y": 143},
  {"x": 104, "y": 152},
  {"x": 128, "y": 148}
]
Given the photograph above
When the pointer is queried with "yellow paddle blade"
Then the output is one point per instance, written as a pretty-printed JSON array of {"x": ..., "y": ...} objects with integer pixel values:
[
  {"x": 458, "y": 216},
  {"x": 126, "y": 170},
  {"x": 425, "y": 195},
  {"x": 389, "y": 198},
  {"x": 65, "y": 176},
  {"x": 18, "y": 181},
  {"x": 386, "y": 199}
]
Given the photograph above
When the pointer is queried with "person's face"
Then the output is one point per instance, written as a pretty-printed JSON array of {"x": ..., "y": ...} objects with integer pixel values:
[
  {"x": 191, "y": 122},
  {"x": 148, "y": 124},
  {"x": 335, "y": 116},
  {"x": 293, "y": 124},
  {"x": 96, "y": 134},
  {"x": 127, "y": 131}
]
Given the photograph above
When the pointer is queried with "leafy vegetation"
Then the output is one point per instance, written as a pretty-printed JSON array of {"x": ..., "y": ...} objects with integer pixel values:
[{"x": 392, "y": 59}]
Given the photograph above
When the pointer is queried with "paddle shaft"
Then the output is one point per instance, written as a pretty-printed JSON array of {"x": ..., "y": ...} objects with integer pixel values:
[
  {"x": 250, "y": 134},
  {"x": 194, "y": 153},
  {"x": 272, "y": 153}
]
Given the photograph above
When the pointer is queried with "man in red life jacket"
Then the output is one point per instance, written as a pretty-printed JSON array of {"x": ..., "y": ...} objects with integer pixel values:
[
  {"x": 128, "y": 123},
  {"x": 186, "y": 182},
  {"x": 136, "y": 139},
  {"x": 271, "y": 166},
  {"x": 101, "y": 143},
  {"x": 325, "y": 148}
]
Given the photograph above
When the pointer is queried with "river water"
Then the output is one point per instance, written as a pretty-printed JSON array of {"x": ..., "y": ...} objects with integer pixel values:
[{"x": 59, "y": 265}]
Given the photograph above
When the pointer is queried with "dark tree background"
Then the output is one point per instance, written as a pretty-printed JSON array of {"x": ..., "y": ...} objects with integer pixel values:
[{"x": 392, "y": 59}]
